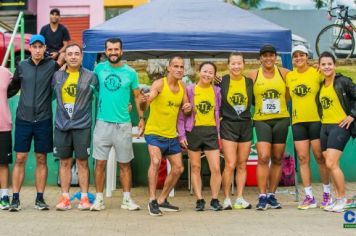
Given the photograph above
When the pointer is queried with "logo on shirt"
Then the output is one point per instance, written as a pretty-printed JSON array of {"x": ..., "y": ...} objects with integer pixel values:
[
  {"x": 301, "y": 90},
  {"x": 271, "y": 94},
  {"x": 204, "y": 107},
  {"x": 326, "y": 102},
  {"x": 112, "y": 82},
  {"x": 237, "y": 99},
  {"x": 71, "y": 90},
  {"x": 172, "y": 104}
]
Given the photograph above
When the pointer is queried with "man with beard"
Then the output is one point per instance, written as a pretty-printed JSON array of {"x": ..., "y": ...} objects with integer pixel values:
[
  {"x": 113, "y": 127},
  {"x": 74, "y": 89},
  {"x": 56, "y": 35}
]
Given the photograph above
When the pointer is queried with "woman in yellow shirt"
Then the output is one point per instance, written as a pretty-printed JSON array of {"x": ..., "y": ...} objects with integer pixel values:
[
  {"x": 304, "y": 85},
  {"x": 271, "y": 120},
  {"x": 338, "y": 108}
]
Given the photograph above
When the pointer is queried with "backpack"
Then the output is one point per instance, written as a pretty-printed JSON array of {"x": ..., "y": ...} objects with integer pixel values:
[
  {"x": 74, "y": 180},
  {"x": 288, "y": 171}
]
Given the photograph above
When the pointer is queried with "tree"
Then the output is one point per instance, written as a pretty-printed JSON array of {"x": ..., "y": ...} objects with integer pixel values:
[
  {"x": 245, "y": 4},
  {"x": 319, "y": 3}
]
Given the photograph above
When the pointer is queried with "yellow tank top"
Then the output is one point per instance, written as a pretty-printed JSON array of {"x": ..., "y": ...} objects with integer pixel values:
[
  {"x": 237, "y": 95},
  {"x": 164, "y": 109},
  {"x": 303, "y": 89},
  {"x": 270, "y": 100},
  {"x": 69, "y": 92},
  {"x": 204, "y": 106},
  {"x": 332, "y": 109}
]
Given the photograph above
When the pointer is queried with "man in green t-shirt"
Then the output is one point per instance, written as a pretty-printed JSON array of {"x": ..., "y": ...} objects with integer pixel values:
[{"x": 113, "y": 126}]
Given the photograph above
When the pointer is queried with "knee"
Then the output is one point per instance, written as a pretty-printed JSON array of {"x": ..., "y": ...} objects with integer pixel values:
[
  {"x": 195, "y": 168},
  {"x": 66, "y": 164},
  {"x": 241, "y": 166},
  {"x": 82, "y": 164},
  {"x": 215, "y": 170},
  {"x": 100, "y": 165},
  {"x": 319, "y": 159},
  {"x": 155, "y": 162},
  {"x": 263, "y": 159},
  {"x": 21, "y": 160},
  {"x": 177, "y": 170},
  {"x": 276, "y": 161},
  {"x": 303, "y": 159},
  {"x": 41, "y": 161},
  {"x": 331, "y": 164},
  {"x": 229, "y": 166}
]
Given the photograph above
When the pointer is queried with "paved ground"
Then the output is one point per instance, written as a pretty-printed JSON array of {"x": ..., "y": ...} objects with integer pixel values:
[{"x": 115, "y": 221}]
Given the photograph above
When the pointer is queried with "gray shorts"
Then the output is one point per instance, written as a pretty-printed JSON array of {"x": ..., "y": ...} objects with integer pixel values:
[{"x": 119, "y": 136}]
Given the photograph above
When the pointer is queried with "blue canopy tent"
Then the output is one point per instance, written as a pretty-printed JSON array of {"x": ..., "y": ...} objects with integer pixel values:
[{"x": 194, "y": 29}]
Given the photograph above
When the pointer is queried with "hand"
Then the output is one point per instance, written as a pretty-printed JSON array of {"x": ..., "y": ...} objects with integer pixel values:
[
  {"x": 187, "y": 107},
  {"x": 346, "y": 122},
  {"x": 129, "y": 107},
  {"x": 217, "y": 79},
  {"x": 54, "y": 55},
  {"x": 141, "y": 128},
  {"x": 64, "y": 67},
  {"x": 184, "y": 143},
  {"x": 144, "y": 97}
]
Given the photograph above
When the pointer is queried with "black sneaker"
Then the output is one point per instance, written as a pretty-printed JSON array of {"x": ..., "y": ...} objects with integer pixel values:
[
  {"x": 200, "y": 205},
  {"x": 273, "y": 203},
  {"x": 41, "y": 205},
  {"x": 262, "y": 203},
  {"x": 153, "y": 208},
  {"x": 215, "y": 205},
  {"x": 15, "y": 205},
  {"x": 166, "y": 206}
]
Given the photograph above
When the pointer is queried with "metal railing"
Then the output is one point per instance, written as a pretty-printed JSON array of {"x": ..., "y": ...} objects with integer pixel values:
[{"x": 20, "y": 23}]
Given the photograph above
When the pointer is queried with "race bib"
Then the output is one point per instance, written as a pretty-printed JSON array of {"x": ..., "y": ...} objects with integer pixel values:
[
  {"x": 69, "y": 108},
  {"x": 271, "y": 106},
  {"x": 239, "y": 108}
]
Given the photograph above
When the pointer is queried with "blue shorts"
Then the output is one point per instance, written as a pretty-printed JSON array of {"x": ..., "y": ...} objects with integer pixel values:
[
  {"x": 168, "y": 146},
  {"x": 41, "y": 131}
]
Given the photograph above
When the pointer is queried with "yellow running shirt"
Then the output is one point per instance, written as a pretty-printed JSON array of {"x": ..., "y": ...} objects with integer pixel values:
[
  {"x": 270, "y": 97},
  {"x": 303, "y": 89},
  {"x": 164, "y": 110},
  {"x": 204, "y": 106},
  {"x": 237, "y": 95},
  {"x": 69, "y": 92},
  {"x": 332, "y": 109}
]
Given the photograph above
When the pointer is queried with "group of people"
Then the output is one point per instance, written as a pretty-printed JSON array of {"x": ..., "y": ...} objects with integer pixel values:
[{"x": 214, "y": 115}]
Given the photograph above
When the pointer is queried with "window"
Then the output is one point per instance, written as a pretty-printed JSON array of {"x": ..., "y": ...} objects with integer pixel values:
[{"x": 111, "y": 12}]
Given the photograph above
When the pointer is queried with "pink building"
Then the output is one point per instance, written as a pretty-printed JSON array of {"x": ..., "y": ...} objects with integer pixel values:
[{"x": 76, "y": 15}]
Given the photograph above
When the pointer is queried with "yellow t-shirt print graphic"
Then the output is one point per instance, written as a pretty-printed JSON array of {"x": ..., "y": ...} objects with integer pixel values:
[
  {"x": 204, "y": 106},
  {"x": 237, "y": 95},
  {"x": 69, "y": 92}
]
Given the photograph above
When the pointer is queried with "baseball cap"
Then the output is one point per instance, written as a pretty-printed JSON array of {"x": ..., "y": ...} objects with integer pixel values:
[
  {"x": 55, "y": 10},
  {"x": 267, "y": 48},
  {"x": 300, "y": 48},
  {"x": 37, "y": 38}
]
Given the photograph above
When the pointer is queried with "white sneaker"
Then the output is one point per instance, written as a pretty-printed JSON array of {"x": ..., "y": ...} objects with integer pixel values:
[
  {"x": 339, "y": 205},
  {"x": 98, "y": 205},
  {"x": 129, "y": 204},
  {"x": 227, "y": 205},
  {"x": 241, "y": 203},
  {"x": 330, "y": 206}
]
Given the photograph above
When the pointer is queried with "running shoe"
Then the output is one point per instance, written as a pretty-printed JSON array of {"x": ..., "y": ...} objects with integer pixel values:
[
  {"x": 64, "y": 204},
  {"x": 84, "y": 204},
  {"x": 241, "y": 203},
  {"x": 41, "y": 205},
  {"x": 227, "y": 205},
  {"x": 5, "y": 203},
  {"x": 262, "y": 203},
  {"x": 15, "y": 205},
  {"x": 98, "y": 205},
  {"x": 308, "y": 203},
  {"x": 351, "y": 203},
  {"x": 153, "y": 208},
  {"x": 327, "y": 200},
  {"x": 330, "y": 206},
  {"x": 129, "y": 204},
  {"x": 166, "y": 206},
  {"x": 339, "y": 205},
  {"x": 273, "y": 203},
  {"x": 215, "y": 205},
  {"x": 200, "y": 205}
]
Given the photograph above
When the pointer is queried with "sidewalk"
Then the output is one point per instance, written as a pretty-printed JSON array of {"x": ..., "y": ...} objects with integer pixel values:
[{"x": 115, "y": 221}]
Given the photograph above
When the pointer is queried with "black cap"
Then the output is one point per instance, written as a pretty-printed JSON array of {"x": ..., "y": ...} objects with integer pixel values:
[
  {"x": 267, "y": 48},
  {"x": 55, "y": 10}
]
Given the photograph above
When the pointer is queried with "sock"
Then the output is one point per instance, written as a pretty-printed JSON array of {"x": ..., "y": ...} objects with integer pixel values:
[
  {"x": 16, "y": 196},
  {"x": 309, "y": 191},
  {"x": 152, "y": 199},
  {"x": 326, "y": 188},
  {"x": 4, "y": 192},
  {"x": 84, "y": 195},
  {"x": 263, "y": 195},
  {"x": 66, "y": 195},
  {"x": 126, "y": 195},
  {"x": 100, "y": 196},
  {"x": 39, "y": 195},
  {"x": 270, "y": 194}
]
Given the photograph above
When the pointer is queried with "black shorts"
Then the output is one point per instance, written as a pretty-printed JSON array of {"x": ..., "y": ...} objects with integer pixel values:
[
  {"x": 203, "y": 138},
  {"x": 41, "y": 132},
  {"x": 272, "y": 131},
  {"x": 306, "y": 131},
  {"x": 333, "y": 136},
  {"x": 5, "y": 148},
  {"x": 77, "y": 140},
  {"x": 236, "y": 131}
]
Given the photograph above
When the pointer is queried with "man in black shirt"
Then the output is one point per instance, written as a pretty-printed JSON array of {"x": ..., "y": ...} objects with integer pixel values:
[{"x": 56, "y": 35}]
